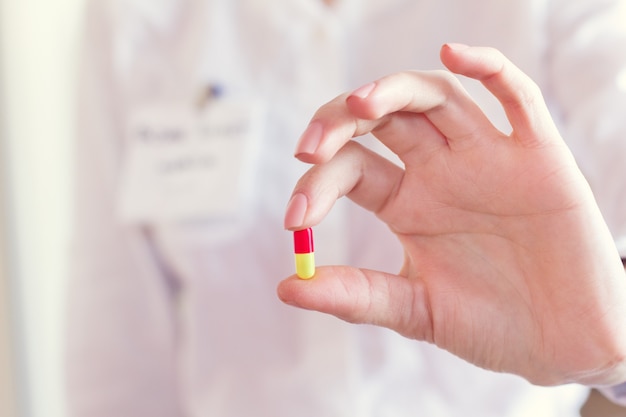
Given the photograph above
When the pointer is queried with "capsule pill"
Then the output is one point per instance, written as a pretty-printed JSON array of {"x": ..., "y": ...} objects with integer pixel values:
[{"x": 303, "y": 248}]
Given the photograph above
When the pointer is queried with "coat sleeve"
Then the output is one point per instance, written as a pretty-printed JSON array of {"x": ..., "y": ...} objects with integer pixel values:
[
  {"x": 120, "y": 353},
  {"x": 616, "y": 394}
]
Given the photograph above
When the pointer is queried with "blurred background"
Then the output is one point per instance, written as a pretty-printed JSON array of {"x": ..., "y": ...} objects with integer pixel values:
[{"x": 38, "y": 59}]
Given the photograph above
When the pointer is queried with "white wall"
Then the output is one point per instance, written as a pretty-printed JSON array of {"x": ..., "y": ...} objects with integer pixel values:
[
  {"x": 7, "y": 383},
  {"x": 39, "y": 45}
]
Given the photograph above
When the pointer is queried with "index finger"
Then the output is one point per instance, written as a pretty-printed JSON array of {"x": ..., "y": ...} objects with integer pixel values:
[{"x": 440, "y": 105}]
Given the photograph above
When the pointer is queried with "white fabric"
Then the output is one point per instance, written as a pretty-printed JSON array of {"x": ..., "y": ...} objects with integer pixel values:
[
  {"x": 167, "y": 319},
  {"x": 617, "y": 394}
]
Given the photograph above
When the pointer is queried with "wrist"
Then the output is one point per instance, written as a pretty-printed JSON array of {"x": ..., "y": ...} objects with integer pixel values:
[{"x": 614, "y": 378}]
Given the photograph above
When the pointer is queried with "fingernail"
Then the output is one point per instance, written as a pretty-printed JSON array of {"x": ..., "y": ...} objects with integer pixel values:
[
  {"x": 310, "y": 139},
  {"x": 457, "y": 46},
  {"x": 364, "y": 91},
  {"x": 296, "y": 209}
]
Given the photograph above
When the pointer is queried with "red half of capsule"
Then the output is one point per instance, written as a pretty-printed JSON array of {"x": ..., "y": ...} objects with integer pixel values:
[{"x": 303, "y": 241}]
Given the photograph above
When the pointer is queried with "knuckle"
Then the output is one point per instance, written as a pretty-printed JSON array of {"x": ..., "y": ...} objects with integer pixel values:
[
  {"x": 526, "y": 97},
  {"x": 448, "y": 86}
]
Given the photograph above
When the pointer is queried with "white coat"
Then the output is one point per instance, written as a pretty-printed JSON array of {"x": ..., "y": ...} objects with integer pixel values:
[{"x": 177, "y": 315}]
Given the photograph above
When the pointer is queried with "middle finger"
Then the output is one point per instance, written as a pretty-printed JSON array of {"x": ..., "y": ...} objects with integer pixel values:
[{"x": 437, "y": 95}]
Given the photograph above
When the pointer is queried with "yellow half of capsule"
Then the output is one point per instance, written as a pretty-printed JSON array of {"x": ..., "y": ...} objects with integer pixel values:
[{"x": 305, "y": 265}]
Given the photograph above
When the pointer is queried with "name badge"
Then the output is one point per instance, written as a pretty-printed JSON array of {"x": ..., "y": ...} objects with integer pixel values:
[{"x": 186, "y": 163}]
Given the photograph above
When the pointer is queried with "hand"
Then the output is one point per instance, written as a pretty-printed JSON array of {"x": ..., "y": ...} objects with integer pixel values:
[{"x": 508, "y": 262}]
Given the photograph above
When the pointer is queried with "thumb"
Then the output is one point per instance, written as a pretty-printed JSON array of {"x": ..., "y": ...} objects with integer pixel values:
[{"x": 363, "y": 296}]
